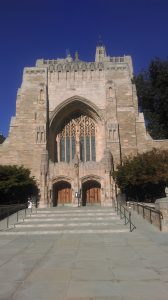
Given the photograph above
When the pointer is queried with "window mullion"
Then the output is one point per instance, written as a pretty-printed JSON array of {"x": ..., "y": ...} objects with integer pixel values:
[
  {"x": 65, "y": 145},
  {"x": 84, "y": 141},
  {"x": 70, "y": 137},
  {"x": 90, "y": 140},
  {"x": 90, "y": 147},
  {"x": 58, "y": 147}
]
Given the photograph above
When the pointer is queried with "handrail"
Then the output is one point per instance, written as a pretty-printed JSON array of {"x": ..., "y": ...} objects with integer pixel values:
[
  {"x": 13, "y": 205},
  {"x": 8, "y": 212},
  {"x": 126, "y": 215},
  {"x": 150, "y": 209},
  {"x": 145, "y": 206}
]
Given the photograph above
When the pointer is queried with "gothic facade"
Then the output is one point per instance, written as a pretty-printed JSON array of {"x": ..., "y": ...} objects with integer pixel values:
[{"x": 75, "y": 121}]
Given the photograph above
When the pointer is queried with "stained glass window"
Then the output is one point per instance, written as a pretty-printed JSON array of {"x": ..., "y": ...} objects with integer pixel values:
[{"x": 79, "y": 130}]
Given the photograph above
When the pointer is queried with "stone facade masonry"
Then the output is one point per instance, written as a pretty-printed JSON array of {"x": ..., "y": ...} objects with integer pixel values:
[{"x": 51, "y": 93}]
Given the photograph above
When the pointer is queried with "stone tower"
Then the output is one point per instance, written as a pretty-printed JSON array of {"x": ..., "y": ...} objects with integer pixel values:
[{"x": 75, "y": 121}]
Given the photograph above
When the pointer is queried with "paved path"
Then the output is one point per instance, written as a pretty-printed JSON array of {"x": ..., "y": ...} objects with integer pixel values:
[{"x": 87, "y": 253}]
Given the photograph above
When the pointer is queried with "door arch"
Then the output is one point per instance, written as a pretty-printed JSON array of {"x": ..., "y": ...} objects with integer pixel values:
[
  {"x": 91, "y": 192},
  {"x": 62, "y": 193}
]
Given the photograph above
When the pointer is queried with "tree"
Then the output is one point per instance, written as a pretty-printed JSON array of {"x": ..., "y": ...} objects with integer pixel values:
[
  {"x": 152, "y": 91},
  {"x": 145, "y": 176},
  {"x": 2, "y": 138},
  {"x": 16, "y": 185}
]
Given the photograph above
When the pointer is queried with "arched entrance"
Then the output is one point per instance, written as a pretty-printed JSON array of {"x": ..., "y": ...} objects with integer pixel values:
[
  {"x": 91, "y": 193},
  {"x": 62, "y": 193}
]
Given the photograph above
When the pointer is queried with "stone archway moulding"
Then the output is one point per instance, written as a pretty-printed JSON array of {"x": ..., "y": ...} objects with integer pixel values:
[
  {"x": 61, "y": 178},
  {"x": 90, "y": 105},
  {"x": 91, "y": 178}
]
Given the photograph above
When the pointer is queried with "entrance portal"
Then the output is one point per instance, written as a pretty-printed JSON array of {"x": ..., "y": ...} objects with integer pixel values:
[
  {"x": 62, "y": 193},
  {"x": 91, "y": 192}
]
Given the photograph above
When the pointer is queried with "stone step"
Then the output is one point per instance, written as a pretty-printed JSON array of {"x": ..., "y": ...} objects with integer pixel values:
[
  {"x": 74, "y": 213},
  {"x": 83, "y": 211},
  {"x": 67, "y": 225},
  {"x": 69, "y": 220},
  {"x": 66, "y": 220},
  {"x": 54, "y": 232},
  {"x": 81, "y": 218}
]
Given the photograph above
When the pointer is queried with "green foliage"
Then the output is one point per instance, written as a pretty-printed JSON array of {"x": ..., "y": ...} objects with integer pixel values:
[
  {"x": 16, "y": 184},
  {"x": 143, "y": 177},
  {"x": 152, "y": 91}
]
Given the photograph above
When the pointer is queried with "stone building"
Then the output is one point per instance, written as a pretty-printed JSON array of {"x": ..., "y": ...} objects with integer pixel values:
[{"x": 74, "y": 123}]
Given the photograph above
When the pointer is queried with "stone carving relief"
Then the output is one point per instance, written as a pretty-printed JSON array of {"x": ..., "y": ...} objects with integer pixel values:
[
  {"x": 84, "y": 67},
  {"x": 92, "y": 67},
  {"x": 68, "y": 67},
  {"x": 59, "y": 68},
  {"x": 75, "y": 65},
  {"x": 51, "y": 68},
  {"x": 100, "y": 66}
]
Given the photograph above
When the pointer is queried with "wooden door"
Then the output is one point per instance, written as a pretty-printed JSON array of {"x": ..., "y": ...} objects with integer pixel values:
[
  {"x": 64, "y": 194},
  {"x": 91, "y": 193}
]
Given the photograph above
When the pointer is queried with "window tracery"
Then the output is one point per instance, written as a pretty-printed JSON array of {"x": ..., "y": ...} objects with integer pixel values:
[{"x": 77, "y": 136}]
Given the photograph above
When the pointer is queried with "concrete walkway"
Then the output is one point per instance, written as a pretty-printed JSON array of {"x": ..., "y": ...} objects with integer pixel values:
[{"x": 82, "y": 253}]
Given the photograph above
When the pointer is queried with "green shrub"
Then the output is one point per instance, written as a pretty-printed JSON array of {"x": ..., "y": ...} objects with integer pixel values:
[
  {"x": 16, "y": 185},
  {"x": 143, "y": 177}
]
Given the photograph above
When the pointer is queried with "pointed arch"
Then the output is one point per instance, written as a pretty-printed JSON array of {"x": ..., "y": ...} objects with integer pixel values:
[
  {"x": 72, "y": 104},
  {"x": 73, "y": 130}
]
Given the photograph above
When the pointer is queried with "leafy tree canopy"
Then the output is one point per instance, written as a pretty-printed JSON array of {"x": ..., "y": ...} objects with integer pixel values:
[
  {"x": 143, "y": 177},
  {"x": 152, "y": 91},
  {"x": 16, "y": 184}
]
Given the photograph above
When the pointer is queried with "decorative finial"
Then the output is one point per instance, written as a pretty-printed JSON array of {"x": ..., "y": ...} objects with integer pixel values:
[
  {"x": 68, "y": 53},
  {"x": 76, "y": 55}
]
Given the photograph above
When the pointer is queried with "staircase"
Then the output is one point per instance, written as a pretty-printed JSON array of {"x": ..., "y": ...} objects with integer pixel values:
[{"x": 68, "y": 220}]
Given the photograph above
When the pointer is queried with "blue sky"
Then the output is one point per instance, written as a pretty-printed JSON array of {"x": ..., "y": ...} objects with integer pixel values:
[{"x": 32, "y": 29}]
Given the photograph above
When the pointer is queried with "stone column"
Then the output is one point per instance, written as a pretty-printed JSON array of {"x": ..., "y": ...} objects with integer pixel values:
[
  {"x": 43, "y": 179},
  {"x": 107, "y": 176}
]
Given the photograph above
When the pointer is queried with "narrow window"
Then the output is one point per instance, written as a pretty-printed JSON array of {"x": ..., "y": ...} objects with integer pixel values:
[
  {"x": 68, "y": 149},
  {"x": 73, "y": 146},
  {"x": 62, "y": 148},
  {"x": 82, "y": 149},
  {"x": 87, "y": 148},
  {"x": 93, "y": 148}
]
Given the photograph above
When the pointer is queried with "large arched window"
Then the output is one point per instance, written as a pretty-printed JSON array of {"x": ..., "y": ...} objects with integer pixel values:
[{"x": 77, "y": 135}]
